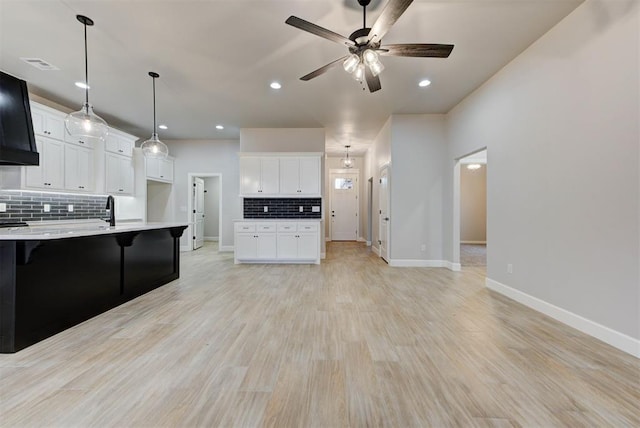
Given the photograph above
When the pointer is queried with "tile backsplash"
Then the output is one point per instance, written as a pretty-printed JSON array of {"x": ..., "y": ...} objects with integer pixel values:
[
  {"x": 29, "y": 206},
  {"x": 282, "y": 207}
]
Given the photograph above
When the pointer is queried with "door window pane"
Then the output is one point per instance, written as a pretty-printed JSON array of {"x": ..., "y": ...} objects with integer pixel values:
[{"x": 343, "y": 184}]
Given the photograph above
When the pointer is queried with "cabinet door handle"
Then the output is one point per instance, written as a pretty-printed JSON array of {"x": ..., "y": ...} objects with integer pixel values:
[{"x": 80, "y": 141}]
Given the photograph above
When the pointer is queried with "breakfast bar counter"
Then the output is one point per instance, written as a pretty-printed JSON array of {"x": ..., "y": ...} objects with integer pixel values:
[{"x": 56, "y": 276}]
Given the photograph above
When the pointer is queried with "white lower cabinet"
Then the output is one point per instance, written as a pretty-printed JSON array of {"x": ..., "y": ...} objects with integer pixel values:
[{"x": 277, "y": 242}]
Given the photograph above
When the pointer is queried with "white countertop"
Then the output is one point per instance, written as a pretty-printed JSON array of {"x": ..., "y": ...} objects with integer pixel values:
[
  {"x": 76, "y": 229},
  {"x": 276, "y": 220}
]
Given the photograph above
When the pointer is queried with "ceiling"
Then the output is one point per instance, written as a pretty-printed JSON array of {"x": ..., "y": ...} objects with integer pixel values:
[{"x": 217, "y": 58}]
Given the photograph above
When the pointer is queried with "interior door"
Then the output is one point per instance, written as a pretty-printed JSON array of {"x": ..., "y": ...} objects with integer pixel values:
[
  {"x": 344, "y": 206},
  {"x": 383, "y": 237},
  {"x": 198, "y": 212}
]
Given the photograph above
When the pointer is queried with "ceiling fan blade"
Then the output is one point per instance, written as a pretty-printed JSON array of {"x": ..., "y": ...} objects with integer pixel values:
[
  {"x": 323, "y": 70},
  {"x": 309, "y": 27},
  {"x": 423, "y": 50},
  {"x": 387, "y": 18},
  {"x": 373, "y": 82}
]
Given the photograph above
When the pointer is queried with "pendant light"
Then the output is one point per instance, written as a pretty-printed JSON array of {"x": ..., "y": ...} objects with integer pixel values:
[
  {"x": 347, "y": 162},
  {"x": 85, "y": 123},
  {"x": 153, "y": 147}
]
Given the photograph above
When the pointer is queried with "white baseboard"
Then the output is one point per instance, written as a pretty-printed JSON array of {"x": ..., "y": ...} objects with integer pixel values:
[
  {"x": 211, "y": 238},
  {"x": 416, "y": 263},
  {"x": 225, "y": 249},
  {"x": 361, "y": 239},
  {"x": 474, "y": 242},
  {"x": 368, "y": 243},
  {"x": 323, "y": 255},
  {"x": 456, "y": 267},
  {"x": 184, "y": 248},
  {"x": 612, "y": 337},
  {"x": 376, "y": 250}
]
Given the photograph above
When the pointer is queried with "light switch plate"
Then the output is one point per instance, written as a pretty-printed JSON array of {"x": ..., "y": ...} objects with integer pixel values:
[
  {"x": 70, "y": 208},
  {"x": 3, "y": 207},
  {"x": 46, "y": 208},
  {"x": 266, "y": 209},
  {"x": 315, "y": 209},
  {"x": 301, "y": 209}
]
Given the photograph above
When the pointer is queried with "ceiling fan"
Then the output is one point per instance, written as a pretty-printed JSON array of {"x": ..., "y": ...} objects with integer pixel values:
[{"x": 365, "y": 44}]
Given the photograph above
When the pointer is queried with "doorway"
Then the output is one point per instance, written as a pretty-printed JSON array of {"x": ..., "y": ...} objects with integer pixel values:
[
  {"x": 201, "y": 210},
  {"x": 471, "y": 193},
  {"x": 385, "y": 217},
  {"x": 344, "y": 204}
]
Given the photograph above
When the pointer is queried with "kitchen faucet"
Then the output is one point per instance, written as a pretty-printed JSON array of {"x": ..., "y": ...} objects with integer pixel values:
[{"x": 111, "y": 206}]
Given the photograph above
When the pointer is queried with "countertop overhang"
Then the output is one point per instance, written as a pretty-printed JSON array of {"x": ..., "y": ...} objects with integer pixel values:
[{"x": 77, "y": 229}]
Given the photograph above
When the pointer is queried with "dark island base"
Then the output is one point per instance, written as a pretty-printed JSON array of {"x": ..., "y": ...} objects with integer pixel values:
[{"x": 50, "y": 285}]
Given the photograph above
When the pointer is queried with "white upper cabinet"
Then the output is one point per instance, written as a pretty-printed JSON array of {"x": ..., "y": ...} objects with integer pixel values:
[
  {"x": 119, "y": 143},
  {"x": 159, "y": 169},
  {"x": 47, "y": 122},
  {"x": 259, "y": 176},
  {"x": 50, "y": 173},
  {"x": 271, "y": 175},
  {"x": 79, "y": 168},
  {"x": 119, "y": 174},
  {"x": 300, "y": 176}
]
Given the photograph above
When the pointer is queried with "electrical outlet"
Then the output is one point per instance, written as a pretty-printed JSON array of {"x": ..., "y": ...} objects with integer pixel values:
[
  {"x": 46, "y": 208},
  {"x": 509, "y": 268},
  {"x": 3, "y": 207},
  {"x": 423, "y": 247},
  {"x": 266, "y": 209},
  {"x": 301, "y": 209},
  {"x": 315, "y": 209},
  {"x": 70, "y": 208}
]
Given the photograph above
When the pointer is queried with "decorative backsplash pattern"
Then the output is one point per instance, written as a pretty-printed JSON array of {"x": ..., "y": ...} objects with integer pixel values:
[
  {"x": 29, "y": 206},
  {"x": 282, "y": 207}
]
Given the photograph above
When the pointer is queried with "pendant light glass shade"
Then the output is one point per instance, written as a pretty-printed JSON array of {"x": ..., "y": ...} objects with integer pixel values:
[
  {"x": 153, "y": 147},
  {"x": 347, "y": 162},
  {"x": 84, "y": 123}
]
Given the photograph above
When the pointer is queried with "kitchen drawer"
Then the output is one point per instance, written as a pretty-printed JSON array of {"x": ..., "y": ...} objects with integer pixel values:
[
  {"x": 287, "y": 227},
  {"x": 307, "y": 227},
  {"x": 245, "y": 227},
  {"x": 266, "y": 227}
]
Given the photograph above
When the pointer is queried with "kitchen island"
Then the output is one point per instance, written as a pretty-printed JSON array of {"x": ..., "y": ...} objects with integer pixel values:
[{"x": 54, "y": 277}]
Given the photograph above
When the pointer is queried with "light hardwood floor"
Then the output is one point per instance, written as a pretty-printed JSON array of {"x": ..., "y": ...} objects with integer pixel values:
[{"x": 352, "y": 342}]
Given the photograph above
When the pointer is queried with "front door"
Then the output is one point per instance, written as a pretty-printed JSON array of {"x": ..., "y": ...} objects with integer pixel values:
[
  {"x": 198, "y": 212},
  {"x": 344, "y": 206},
  {"x": 383, "y": 239}
]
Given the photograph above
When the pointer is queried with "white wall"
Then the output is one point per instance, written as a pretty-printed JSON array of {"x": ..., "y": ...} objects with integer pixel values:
[
  {"x": 211, "y": 207},
  {"x": 418, "y": 149},
  {"x": 561, "y": 126},
  {"x": 208, "y": 156},
  {"x": 473, "y": 204},
  {"x": 378, "y": 155}
]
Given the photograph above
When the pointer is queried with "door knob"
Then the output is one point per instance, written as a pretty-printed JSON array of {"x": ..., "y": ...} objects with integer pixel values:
[{"x": 386, "y": 219}]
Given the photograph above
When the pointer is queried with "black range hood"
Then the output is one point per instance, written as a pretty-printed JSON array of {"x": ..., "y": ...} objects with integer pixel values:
[{"x": 17, "y": 141}]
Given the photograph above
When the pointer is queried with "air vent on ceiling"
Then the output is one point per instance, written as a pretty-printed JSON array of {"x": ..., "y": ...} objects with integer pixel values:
[{"x": 40, "y": 64}]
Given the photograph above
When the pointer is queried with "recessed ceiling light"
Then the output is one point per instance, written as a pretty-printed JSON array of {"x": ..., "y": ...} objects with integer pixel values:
[
  {"x": 424, "y": 83},
  {"x": 82, "y": 85},
  {"x": 275, "y": 85},
  {"x": 473, "y": 166},
  {"x": 163, "y": 127},
  {"x": 220, "y": 127}
]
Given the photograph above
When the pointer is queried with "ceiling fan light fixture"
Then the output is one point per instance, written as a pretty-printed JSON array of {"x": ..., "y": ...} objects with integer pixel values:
[
  {"x": 84, "y": 123},
  {"x": 351, "y": 63},
  {"x": 153, "y": 147},
  {"x": 369, "y": 57},
  {"x": 358, "y": 74},
  {"x": 376, "y": 67}
]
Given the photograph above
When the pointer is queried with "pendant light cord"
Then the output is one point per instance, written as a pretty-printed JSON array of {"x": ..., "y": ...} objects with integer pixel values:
[
  {"x": 364, "y": 16},
  {"x": 154, "y": 105},
  {"x": 86, "y": 70}
]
